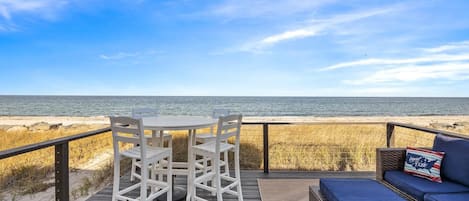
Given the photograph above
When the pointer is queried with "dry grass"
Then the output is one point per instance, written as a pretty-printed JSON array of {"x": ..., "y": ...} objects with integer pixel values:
[
  {"x": 31, "y": 172},
  {"x": 294, "y": 147},
  {"x": 333, "y": 147}
]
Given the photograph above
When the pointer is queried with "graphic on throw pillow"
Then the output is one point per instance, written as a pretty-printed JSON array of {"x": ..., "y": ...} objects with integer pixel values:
[{"x": 424, "y": 163}]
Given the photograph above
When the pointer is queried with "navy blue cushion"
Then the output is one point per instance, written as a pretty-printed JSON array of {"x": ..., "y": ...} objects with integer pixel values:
[
  {"x": 417, "y": 187},
  {"x": 356, "y": 190},
  {"x": 447, "y": 197},
  {"x": 455, "y": 164}
]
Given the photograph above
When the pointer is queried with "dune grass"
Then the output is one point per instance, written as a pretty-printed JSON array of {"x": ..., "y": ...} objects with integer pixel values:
[
  {"x": 331, "y": 147},
  {"x": 31, "y": 172}
]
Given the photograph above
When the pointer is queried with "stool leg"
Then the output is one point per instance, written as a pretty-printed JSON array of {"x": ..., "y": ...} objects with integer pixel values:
[
  {"x": 191, "y": 169},
  {"x": 133, "y": 169},
  {"x": 227, "y": 166},
  {"x": 205, "y": 168},
  {"x": 144, "y": 175},
  {"x": 169, "y": 178},
  {"x": 216, "y": 165},
  {"x": 238, "y": 174},
  {"x": 153, "y": 177},
  {"x": 115, "y": 185},
  {"x": 160, "y": 170},
  {"x": 214, "y": 179}
]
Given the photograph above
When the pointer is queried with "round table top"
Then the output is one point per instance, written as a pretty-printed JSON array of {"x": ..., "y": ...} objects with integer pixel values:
[{"x": 178, "y": 122}]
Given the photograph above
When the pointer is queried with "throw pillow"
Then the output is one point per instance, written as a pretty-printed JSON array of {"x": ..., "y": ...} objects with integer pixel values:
[{"x": 423, "y": 163}]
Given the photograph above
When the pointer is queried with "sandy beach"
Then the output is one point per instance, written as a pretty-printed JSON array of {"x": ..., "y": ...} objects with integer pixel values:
[{"x": 417, "y": 120}]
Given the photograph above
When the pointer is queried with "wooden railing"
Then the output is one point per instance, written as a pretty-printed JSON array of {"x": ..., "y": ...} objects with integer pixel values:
[
  {"x": 62, "y": 148},
  {"x": 391, "y": 125},
  {"x": 61, "y": 159}
]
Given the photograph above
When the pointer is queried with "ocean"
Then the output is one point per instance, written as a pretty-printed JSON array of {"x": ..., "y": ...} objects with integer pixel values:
[{"x": 248, "y": 106}]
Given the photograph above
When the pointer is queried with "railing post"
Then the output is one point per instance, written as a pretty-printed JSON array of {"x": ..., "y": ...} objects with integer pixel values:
[
  {"x": 389, "y": 135},
  {"x": 265, "y": 128},
  {"x": 61, "y": 172}
]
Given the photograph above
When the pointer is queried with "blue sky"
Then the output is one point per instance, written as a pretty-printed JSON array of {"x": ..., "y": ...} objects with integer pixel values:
[{"x": 234, "y": 48}]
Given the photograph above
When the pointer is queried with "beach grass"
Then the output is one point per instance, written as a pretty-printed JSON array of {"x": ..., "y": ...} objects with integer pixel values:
[
  {"x": 322, "y": 147},
  {"x": 31, "y": 172}
]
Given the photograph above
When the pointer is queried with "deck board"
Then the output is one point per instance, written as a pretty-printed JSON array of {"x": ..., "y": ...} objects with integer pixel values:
[{"x": 248, "y": 182}]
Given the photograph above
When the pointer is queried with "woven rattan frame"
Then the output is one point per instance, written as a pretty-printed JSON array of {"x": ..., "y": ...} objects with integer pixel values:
[{"x": 389, "y": 159}]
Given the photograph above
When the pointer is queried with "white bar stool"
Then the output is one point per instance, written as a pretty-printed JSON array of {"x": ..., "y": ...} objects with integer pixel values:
[
  {"x": 129, "y": 130},
  {"x": 139, "y": 113},
  {"x": 228, "y": 126}
]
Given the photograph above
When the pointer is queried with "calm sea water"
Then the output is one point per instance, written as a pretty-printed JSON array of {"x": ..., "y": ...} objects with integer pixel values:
[{"x": 248, "y": 106}]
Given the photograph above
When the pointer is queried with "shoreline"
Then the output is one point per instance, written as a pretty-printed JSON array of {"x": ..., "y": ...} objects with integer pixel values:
[{"x": 102, "y": 120}]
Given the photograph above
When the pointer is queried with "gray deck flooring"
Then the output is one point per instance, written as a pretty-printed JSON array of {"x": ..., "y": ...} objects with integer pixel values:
[{"x": 248, "y": 182}]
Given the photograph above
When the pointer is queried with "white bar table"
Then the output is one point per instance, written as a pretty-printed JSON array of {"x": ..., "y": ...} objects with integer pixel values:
[{"x": 172, "y": 123}]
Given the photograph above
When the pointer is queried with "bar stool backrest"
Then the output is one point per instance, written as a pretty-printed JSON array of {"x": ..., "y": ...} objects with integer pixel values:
[
  {"x": 128, "y": 130},
  {"x": 228, "y": 126}
]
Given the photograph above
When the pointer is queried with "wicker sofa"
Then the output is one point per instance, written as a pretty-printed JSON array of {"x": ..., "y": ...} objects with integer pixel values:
[{"x": 454, "y": 171}]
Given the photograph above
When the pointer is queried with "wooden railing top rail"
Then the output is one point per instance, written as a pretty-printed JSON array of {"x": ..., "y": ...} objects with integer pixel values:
[
  {"x": 36, "y": 146},
  {"x": 49, "y": 143},
  {"x": 32, "y": 147},
  {"x": 428, "y": 130},
  {"x": 307, "y": 123}
]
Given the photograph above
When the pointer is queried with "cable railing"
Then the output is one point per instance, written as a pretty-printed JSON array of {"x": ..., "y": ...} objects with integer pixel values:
[
  {"x": 390, "y": 127},
  {"x": 61, "y": 158},
  {"x": 61, "y": 146}
]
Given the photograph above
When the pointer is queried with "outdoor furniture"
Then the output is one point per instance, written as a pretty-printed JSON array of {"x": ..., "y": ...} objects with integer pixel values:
[
  {"x": 390, "y": 173},
  {"x": 352, "y": 190},
  {"x": 207, "y": 137},
  {"x": 129, "y": 130},
  {"x": 228, "y": 126},
  {"x": 139, "y": 113},
  {"x": 454, "y": 171},
  {"x": 189, "y": 123},
  {"x": 447, "y": 197}
]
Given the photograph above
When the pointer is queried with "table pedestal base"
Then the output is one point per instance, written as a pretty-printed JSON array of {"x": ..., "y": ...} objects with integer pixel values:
[{"x": 179, "y": 193}]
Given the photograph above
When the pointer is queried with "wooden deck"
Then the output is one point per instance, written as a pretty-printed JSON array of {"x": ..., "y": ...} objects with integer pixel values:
[{"x": 248, "y": 182}]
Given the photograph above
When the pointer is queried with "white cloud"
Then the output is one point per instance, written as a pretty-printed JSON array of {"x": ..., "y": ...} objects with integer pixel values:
[
  {"x": 236, "y": 9},
  {"x": 10, "y": 9},
  {"x": 120, "y": 55},
  {"x": 42, "y": 7},
  {"x": 379, "y": 91},
  {"x": 124, "y": 55},
  {"x": 424, "y": 59},
  {"x": 313, "y": 28},
  {"x": 448, "y": 62},
  {"x": 299, "y": 33},
  {"x": 463, "y": 45},
  {"x": 449, "y": 71},
  {"x": 4, "y": 12}
]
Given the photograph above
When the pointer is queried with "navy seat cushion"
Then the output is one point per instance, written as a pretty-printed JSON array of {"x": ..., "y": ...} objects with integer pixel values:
[
  {"x": 447, "y": 197},
  {"x": 417, "y": 187},
  {"x": 356, "y": 190},
  {"x": 455, "y": 164}
]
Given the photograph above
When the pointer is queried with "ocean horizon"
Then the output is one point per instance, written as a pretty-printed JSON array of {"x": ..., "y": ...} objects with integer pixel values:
[{"x": 50, "y": 105}]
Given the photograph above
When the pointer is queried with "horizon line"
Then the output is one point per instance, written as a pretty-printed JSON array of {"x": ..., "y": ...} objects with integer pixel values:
[{"x": 266, "y": 96}]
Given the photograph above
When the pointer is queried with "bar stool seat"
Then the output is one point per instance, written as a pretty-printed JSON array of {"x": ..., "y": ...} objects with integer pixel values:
[{"x": 210, "y": 147}]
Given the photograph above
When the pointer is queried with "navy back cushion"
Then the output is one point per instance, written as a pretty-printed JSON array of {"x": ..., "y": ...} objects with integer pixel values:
[{"x": 455, "y": 164}]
